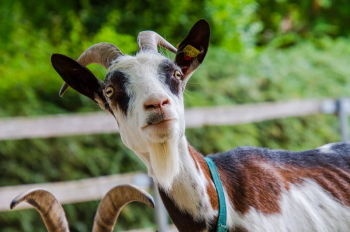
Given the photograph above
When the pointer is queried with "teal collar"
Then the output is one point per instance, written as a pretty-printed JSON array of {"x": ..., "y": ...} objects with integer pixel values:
[{"x": 219, "y": 189}]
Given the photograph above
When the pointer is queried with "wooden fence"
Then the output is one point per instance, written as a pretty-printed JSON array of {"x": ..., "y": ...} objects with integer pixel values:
[
  {"x": 95, "y": 123},
  {"x": 75, "y": 191}
]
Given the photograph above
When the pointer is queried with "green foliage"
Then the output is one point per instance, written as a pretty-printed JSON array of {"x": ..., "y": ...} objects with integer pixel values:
[
  {"x": 26, "y": 66},
  {"x": 251, "y": 59},
  {"x": 308, "y": 70},
  {"x": 236, "y": 28},
  {"x": 305, "y": 18}
]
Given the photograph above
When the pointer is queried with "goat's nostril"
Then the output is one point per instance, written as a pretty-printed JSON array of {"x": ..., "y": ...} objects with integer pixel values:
[
  {"x": 147, "y": 107},
  {"x": 166, "y": 102}
]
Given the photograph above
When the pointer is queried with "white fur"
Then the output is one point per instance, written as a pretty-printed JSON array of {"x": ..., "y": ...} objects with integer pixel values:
[
  {"x": 165, "y": 162},
  {"x": 326, "y": 148},
  {"x": 300, "y": 212},
  {"x": 186, "y": 196}
]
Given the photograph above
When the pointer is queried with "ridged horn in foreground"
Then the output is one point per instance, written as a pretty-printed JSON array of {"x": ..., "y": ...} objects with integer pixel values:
[
  {"x": 101, "y": 53},
  {"x": 51, "y": 211},
  {"x": 150, "y": 40},
  {"x": 111, "y": 205}
]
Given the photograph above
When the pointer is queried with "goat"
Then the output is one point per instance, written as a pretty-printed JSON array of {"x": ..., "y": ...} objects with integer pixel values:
[
  {"x": 266, "y": 190},
  {"x": 106, "y": 215}
]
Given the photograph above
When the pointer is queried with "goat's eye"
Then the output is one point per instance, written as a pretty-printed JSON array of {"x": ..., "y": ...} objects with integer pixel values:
[
  {"x": 109, "y": 92},
  {"x": 177, "y": 75}
]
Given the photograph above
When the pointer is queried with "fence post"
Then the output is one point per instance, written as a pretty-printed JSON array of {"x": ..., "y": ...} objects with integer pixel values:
[
  {"x": 161, "y": 214},
  {"x": 343, "y": 118}
]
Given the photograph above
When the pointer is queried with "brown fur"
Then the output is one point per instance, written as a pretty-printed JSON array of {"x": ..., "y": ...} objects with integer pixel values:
[
  {"x": 238, "y": 229},
  {"x": 257, "y": 186},
  {"x": 332, "y": 179},
  {"x": 184, "y": 222}
]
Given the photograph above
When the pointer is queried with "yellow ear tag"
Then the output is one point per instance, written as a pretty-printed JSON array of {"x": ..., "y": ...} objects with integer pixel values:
[{"x": 190, "y": 52}]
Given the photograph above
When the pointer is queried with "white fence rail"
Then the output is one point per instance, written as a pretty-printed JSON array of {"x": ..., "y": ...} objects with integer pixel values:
[
  {"x": 95, "y": 123},
  {"x": 75, "y": 191}
]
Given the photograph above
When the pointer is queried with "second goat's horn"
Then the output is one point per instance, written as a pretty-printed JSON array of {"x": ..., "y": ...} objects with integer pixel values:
[
  {"x": 111, "y": 205},
  {"x": 51, "y": 211}
]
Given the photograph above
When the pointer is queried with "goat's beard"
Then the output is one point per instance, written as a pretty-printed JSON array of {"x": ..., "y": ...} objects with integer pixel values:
[{"x": 165, "y": 162}]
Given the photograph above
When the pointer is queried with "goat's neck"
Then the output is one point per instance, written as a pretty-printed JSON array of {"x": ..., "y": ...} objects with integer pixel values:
[{"x": 191, "y": 191}]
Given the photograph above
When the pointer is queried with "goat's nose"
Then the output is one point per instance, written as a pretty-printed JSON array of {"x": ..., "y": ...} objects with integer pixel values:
[{"x": 156, "y": 103}]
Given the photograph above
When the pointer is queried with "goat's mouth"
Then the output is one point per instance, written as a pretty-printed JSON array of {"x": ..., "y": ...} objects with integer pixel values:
[
  {"x": 160, "y": 131},
  {"x": 160, "y": 123},
  {"x": 157, "y": 120}
]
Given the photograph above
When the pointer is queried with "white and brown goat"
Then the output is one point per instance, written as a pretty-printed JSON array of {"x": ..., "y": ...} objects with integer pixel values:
[
  {"x": 106, "y": 215},
  {"x": 266, "y": 190}
]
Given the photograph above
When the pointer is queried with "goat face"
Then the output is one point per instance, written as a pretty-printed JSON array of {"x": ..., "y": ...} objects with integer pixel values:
[
  {"x": 143, "y": 92},
  {"x": 146, "y": 98}
]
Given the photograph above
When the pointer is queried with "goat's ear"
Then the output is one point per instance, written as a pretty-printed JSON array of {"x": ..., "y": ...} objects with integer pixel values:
[
  {"x": 79, "y": 77},
  {"x": 192, "y": 50}
]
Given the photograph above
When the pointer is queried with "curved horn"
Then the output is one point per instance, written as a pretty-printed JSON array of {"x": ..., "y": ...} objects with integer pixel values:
[
  {"x": 112, "y": 203},
  {"x": 101, "y": 53},
  {"x": 51, "y": 211},
  {"x": 149, "y": 40}
]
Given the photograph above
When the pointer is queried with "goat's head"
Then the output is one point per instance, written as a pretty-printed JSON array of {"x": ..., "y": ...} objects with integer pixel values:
[
  {"x": 107, "y": 212},
  {"x": 143, "y": 92}
]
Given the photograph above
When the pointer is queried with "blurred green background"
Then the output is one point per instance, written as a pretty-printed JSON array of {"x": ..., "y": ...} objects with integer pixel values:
[{"x": 261, "y": 50}]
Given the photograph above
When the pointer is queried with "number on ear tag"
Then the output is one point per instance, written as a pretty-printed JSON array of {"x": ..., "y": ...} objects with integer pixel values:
[{"x": 190, "y": 52}]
